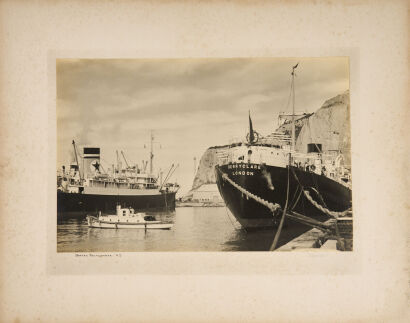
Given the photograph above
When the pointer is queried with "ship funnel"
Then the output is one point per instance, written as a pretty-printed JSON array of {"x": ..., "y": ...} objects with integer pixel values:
[{"x": 91, "y": 158}]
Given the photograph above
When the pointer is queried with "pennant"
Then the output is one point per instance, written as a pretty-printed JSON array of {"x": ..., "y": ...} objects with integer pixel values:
[{"x": 251, "y": 135}]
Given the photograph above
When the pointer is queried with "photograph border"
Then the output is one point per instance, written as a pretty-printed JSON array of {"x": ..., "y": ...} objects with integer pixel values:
[{"x": 304, "y": 262}]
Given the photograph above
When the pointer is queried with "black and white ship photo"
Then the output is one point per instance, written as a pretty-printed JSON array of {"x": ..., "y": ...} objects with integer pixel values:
[{"x": 201, "y": 154}]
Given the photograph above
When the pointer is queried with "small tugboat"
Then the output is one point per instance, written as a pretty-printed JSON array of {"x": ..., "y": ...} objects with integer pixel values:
[{"x": 126, "y": 218}]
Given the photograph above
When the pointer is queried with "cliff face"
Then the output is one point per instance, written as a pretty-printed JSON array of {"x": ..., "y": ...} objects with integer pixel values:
[
  {"x": 329, "y": 126},
  {"x": 205, "y": 173}
]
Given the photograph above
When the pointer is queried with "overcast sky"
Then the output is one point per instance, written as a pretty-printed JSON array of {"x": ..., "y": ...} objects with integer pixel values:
[{"x": 190, "y": 104}]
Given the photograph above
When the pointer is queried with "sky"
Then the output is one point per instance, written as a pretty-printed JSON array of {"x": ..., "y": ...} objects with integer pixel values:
[{"x": 189, "y": 104}]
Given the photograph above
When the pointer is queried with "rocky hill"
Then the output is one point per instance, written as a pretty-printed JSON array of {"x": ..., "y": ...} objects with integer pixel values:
[
  {"x": 205, "y": 173},
  {"x": 330, "y": 126}
]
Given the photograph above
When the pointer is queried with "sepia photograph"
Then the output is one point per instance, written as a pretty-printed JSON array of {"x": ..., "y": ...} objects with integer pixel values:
[
  {"x": 204, "y": 161},
  {"x": 223, "y": 154}
]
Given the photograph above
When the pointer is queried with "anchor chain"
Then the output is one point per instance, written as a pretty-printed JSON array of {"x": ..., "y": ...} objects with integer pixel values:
[{"x": 271, "y": 206}]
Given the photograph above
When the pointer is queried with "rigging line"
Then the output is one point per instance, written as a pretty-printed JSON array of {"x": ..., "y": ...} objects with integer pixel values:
[
  {"x": 297, "y": 179},
  {"x": 297, "y": 200},
  {"x": 230, "y": 220},
  {"x": 302, "y": 189},
  {"x": 303, "y": 204},
  {"x": 314, "y": 180},
  {"x": 300, "y": 193},
  {"x": 318, "y": 194},
  {"x": 294, "y": 195},
  {"x": 317, "y": 205},
  {"x": 330, "y": 213},
  {"x": 282, "y": 220}
]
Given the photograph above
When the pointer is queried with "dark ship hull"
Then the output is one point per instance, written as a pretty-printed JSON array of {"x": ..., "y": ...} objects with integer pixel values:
[
  {"x": 251, "y": 214},
  {"x": 79, "y": 204}
]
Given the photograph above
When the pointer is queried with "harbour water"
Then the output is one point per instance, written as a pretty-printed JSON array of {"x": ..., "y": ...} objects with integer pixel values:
[{"x": 195, "y": 229}]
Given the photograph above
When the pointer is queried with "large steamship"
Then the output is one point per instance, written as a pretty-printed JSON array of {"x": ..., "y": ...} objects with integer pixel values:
[
  {"x": 273, "y": 171},
  {"x": 87, "y": 187}
]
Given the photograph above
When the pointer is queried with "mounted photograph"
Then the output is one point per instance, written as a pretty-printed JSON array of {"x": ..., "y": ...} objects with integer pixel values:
[{"x": 204, "y": 154}]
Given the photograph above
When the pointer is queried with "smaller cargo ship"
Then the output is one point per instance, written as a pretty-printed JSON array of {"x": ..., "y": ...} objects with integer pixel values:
[{"x": 86, "y": 187}]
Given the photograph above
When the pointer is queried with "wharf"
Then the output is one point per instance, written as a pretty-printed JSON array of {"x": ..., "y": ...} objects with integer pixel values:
[
  {"x": 310, "y": 240},
  {"x": 199, "y": 204},
  {"x": 316, "y": 240}
]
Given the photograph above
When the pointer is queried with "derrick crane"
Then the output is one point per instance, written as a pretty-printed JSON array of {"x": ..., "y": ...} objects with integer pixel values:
[{"x": 122, "y": 153}]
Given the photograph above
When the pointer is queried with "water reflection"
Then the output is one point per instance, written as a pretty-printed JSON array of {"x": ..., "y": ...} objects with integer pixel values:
[{"x": 195, "y": 229}]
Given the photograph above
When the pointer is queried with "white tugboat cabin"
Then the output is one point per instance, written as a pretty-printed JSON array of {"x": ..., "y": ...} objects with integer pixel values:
[{"x": 126, "y": 218}]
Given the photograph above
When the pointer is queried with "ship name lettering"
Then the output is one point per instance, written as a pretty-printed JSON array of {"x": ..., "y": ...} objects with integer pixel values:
[
  {"x": 244, "y": 166},
  {"x": 242, "y": 173}
]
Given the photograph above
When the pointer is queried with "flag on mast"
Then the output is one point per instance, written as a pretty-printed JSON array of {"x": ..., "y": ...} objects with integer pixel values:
[
  {"x": 251, "y": 135},
  {"x": 293, "y": 69}
]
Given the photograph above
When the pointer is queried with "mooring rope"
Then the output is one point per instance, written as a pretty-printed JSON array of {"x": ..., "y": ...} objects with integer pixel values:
[
  {"x": 297, "y": 200},
  {"x": 333, "y": 214},
  {"x": 330, "y": 213},
  {"x": 282, "y": 220},
  {"x": 271, "y": 206},
  {"x": 275, "y": 207},
  {"x": 230, "y": 220}
]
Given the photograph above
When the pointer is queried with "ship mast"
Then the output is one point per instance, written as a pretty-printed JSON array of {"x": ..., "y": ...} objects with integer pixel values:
[
  {"x": 151, "y": 163},
  {"x": 293, "y": 107},
  {"x": 118, "y": 163}
]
